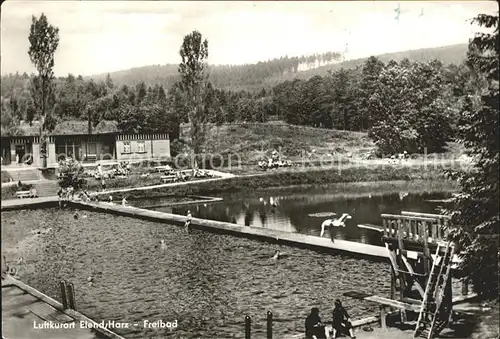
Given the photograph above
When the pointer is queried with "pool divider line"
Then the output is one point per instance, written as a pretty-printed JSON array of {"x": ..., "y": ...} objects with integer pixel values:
[
  {"x": 151, "y": 187},
  {"x": 199, "y": 200},
  {"x": 77, "y": 316},
  {"x": 274, "y": 236}
]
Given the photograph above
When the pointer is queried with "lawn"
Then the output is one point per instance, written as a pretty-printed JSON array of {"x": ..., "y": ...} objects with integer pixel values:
[{"x": 253, "y": 141}]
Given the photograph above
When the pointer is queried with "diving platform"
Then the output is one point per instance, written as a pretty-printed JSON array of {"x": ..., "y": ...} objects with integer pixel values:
[{"x": 423, "y": 278}]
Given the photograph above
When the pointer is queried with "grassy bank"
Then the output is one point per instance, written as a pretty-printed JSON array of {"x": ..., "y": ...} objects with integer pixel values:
[
  {"x": 250, "y": 142},
  {"x": 253, "y": 141},
  {"x": 303, "y": 178}
]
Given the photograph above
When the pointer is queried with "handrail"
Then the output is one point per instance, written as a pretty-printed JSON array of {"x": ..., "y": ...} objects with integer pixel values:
[
  {"x": 407, "y": 217},
  {"x": 426, "y": 215}
]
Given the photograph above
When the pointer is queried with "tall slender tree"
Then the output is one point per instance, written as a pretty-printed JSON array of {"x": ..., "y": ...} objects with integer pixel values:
[
  {"x": 44, "y": 39},
  {"x": 193, "y": 72},
  {"x": 477, "y": 211}
]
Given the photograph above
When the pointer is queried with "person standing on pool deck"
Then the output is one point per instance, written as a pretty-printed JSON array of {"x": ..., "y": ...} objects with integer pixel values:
[
  {"x": 188, "y": 221},
  {"x": 341, "y": 320}
]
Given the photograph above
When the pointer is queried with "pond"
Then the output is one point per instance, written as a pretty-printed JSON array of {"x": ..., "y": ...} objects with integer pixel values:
[
  {"x": 304, "y": 212},
  {"x": 207, "y": 282}
]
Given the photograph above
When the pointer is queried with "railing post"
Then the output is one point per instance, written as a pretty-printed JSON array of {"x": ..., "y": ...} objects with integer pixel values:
[
  {"x": 71, "y": 296},
  {"x": 248, "y": 327},
  {"x": 269, "y": 325},
  {"x": 465, "y": 286},
  {"x": 64, "y": 296}
]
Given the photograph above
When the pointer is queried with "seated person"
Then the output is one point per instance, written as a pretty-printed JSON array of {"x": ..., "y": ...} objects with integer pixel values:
[
  {"x": 33, "y": 193},
  {"x": 341, "y": 320},
  {"x": 314, "y": 327}
]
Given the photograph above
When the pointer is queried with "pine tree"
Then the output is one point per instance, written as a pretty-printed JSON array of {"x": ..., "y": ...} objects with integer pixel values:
[
  {"x": 477, "y": 211},
  {"x": 44, "y": 39}
]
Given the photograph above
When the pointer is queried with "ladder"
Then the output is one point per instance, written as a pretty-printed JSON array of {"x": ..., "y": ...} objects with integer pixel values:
[{"x": 430, "y": 321}]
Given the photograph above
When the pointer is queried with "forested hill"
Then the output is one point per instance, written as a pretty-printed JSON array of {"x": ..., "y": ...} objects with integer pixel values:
[
  {"x": 254, "y": 77},
  {"x": 234, "y": 77}
]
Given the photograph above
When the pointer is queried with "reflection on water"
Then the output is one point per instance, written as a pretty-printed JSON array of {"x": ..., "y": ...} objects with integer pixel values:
[{"x": 304, "y": 213}]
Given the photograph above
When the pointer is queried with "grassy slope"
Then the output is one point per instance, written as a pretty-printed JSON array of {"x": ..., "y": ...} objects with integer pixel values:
[{"x": 253, "y": 141}]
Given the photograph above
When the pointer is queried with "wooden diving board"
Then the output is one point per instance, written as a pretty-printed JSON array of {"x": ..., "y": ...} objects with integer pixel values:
[
  {"x": 371, "y": 227},
  {"x": 412, "y": 304}
]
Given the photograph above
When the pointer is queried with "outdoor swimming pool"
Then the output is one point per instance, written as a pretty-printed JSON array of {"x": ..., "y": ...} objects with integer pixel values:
[{"x": 207, "y": 282}]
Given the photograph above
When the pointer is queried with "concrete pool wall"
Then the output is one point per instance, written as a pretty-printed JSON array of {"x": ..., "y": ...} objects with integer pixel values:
[
  {"x": 351, "y": 248},
  {"x": 29, "y": 299},
  {"x": 316, "y": 243},
  {"x": 275, "y": 236}
]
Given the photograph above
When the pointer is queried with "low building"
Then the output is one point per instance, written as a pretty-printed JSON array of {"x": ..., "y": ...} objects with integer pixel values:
[{"x": 67, "y": 140}]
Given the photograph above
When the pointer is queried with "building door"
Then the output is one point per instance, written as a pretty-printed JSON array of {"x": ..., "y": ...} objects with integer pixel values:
[
  {"x": 78, "y": 152},
  {"x": 20, "y": 152}
]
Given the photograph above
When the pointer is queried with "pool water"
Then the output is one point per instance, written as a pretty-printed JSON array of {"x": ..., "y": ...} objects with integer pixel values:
[
  {"x": 207, "y": 282},
  {"x": 300, "y": 212}
]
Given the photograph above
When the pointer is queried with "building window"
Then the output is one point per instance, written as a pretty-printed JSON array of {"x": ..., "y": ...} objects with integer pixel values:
[
  {"x": 141, "y": 147},
  {"x": 126, "y": 147}
]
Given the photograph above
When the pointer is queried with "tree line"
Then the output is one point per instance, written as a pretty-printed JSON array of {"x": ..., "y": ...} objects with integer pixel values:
[{"x": 403, "y": 105}]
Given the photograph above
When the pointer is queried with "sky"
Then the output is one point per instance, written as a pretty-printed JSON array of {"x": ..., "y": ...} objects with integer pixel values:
[{"x": 106, "y": 36}]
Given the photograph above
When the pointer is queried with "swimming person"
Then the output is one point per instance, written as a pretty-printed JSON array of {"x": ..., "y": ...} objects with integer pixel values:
[
  {"x": 276, "y": 255},
  {"x": 163, "y": 246},
  {"x": 340, "y": 222},
  {"x": 315, "y": 329},
  {"x": 188, "y": 220},
  {"x": 341, "y": 320}
]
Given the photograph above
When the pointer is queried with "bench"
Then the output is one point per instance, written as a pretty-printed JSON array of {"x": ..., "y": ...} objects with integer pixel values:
[
  {"x": 167, "y": 178},
  {"x": 26, "y": 194},
  {"x": 162, "y": 168}
]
